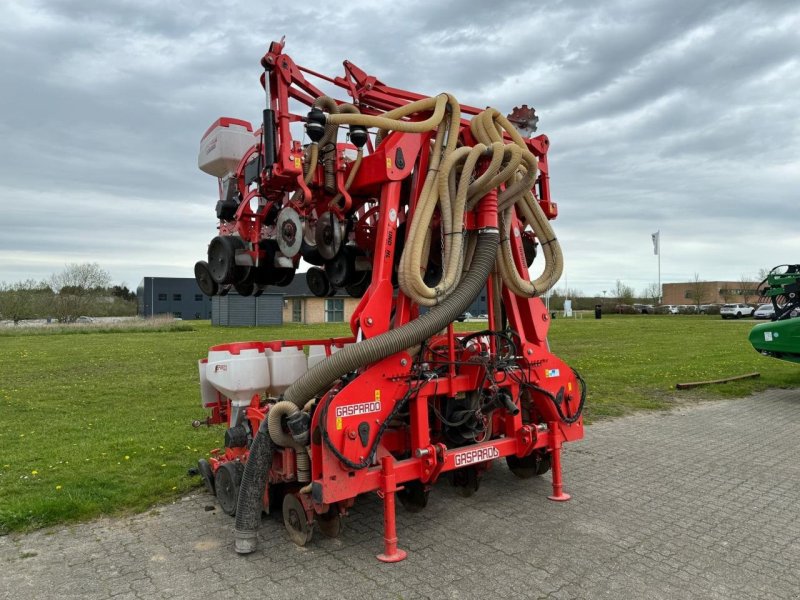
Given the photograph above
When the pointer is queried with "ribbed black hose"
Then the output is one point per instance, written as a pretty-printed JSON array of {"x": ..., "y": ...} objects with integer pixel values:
[
  {"x": 353, "y": 356},
  {"x": 318, "y": 379},
  {"x": 251, "y": 491}
]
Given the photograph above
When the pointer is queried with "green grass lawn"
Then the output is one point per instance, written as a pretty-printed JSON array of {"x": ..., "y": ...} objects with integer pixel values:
[{"x": 100, "y": 423}]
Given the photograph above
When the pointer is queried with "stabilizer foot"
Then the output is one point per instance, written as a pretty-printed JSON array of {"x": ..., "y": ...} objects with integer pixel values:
[
  {"x": 392, "y": 558},
  {"x": 562, "y": 497}
]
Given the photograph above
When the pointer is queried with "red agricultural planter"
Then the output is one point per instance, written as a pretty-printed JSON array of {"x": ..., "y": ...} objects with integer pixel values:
[{"x": 416, "y": 205}]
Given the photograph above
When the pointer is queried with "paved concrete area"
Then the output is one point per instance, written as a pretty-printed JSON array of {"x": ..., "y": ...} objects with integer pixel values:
[{"x": 701, "y": 502}]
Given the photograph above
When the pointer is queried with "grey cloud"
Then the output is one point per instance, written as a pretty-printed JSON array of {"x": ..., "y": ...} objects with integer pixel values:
[{"x": 678, "y": 116}]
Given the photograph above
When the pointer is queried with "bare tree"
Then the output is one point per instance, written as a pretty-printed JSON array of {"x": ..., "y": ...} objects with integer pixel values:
[
  {"x": 762, "y": 273},
  {"x": 19, "y": 301},
  {"x": 748, "y": 287},
  {"x": 623, "y": 293},
  {"x": 697, "y": 290},
  {"x": 652, "y": 292},
  {"x": 76, "y": 288}
]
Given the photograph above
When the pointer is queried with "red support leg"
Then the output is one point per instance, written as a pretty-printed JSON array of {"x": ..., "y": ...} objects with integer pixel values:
[
  {"x": 559, "y": 495},
  {"x": 391, "y": 553}
]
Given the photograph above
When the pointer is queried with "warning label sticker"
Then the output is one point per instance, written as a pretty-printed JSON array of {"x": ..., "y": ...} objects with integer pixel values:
[{"x": 552, "y": 373}]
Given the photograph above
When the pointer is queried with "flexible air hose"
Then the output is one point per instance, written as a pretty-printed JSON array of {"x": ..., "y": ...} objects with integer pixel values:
[
  {"x": 487, "y": 127},
  {"x": 251, "y": 491},
  {"x": 311, "y": 154},
  {"x": 369, "y": 351},
  {"x": 327, "y": 145},
  {"x": 275, "y": 417},
  {"x": 346, "y": 108},
  {"x": 317, "y": 379}
]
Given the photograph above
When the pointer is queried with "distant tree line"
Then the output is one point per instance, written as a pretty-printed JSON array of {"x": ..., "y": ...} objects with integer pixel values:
[
  {"x": 79, "y": 290},
  {"x": 622, "y": 293}
]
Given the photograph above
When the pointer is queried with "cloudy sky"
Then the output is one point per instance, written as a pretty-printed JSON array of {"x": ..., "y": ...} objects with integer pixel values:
[{"x": 679, "y": 116}]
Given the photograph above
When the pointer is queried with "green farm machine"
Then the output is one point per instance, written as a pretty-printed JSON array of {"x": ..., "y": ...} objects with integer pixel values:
[{"x": 780, "y": 338}]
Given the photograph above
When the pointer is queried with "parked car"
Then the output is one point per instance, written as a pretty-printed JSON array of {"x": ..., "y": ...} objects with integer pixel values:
[
  {"x": 84, "y": 320},
  {"x": 709, "y": 309},
  {"x": 667, "y": 309},
  {"x": 764, "y": 311},
  {"x": 687, "y": 309},
  {"x": 624, "y": 309},
  {"x": 483, "y": 317},
  {"x": 735, "y": 311},
  {"x": 463, "y": 317},
  {"x": 644, "y": 309}
]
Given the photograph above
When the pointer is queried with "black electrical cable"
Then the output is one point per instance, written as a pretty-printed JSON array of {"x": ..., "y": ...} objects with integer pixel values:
[
  {"x": 370, "y": 457},
  {"x": 567, "y": 419}
]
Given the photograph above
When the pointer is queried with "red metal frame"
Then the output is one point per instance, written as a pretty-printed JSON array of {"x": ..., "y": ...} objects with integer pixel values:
[{"x": 414, "y": 449}]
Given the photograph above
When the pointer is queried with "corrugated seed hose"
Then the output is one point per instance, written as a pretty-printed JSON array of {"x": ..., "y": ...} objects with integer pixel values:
[{"x": 467, "y": 261}]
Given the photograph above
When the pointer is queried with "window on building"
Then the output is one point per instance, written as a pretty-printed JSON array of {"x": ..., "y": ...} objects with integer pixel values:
[
  {"x": 177, "y": 315},
  {"x": 198, "y": 297},
  {"x": 162, "y": 297},
  {"x": 334, "y": 310},
  {"x": 297, "y": 310},
  {"x": 176, "y": 297}
]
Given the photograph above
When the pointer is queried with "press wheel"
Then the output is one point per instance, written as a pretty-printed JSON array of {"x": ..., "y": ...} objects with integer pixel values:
[
  {"x": 330, "y": 523},
  {"x": 204, "y": 468},
  {"x": 226, "y": 484},
  {"x": 466, "y": 480},
  {"x": 413, "y": 496},
  {"x": 533, "y": 465},
  {"x": 295, "y": 520},
  {"x": 205, "y": 281},
  {"x": 222, "y": 258}
]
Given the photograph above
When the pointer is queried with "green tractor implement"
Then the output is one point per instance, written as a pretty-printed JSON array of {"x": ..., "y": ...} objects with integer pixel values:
[{"x": 780, "y": 338}]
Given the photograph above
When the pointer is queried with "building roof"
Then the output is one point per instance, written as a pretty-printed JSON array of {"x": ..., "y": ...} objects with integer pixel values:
[{"x": 299, "y": 288}]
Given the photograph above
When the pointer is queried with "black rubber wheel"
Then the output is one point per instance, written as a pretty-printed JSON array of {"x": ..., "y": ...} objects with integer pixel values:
[
  {"x": 533, "y": 465},
  {"x": 466, "y": 480},
  {"x": 340, "y": 268},
  {"x": 413, "y": 496},
  {"x": 310, "y": 254},
  {"x": 295, "y": 520},
  {"x": 284, "y": 277},
  {"x": 318, "y": 282},
  {"x": 358, "y": 288},
  {"x": 330, "y": 523},
  {"x": 245, "y": 284},
  {"x": 226, "y": 484},
  {"x": 204, "y": 468},
  {"x": 222, "y": 258},
  {"x": 205, "y": 282}
]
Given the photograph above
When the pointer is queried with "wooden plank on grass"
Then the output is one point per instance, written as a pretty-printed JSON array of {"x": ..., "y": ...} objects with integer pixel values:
[{"x": 694, "y": 384}]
